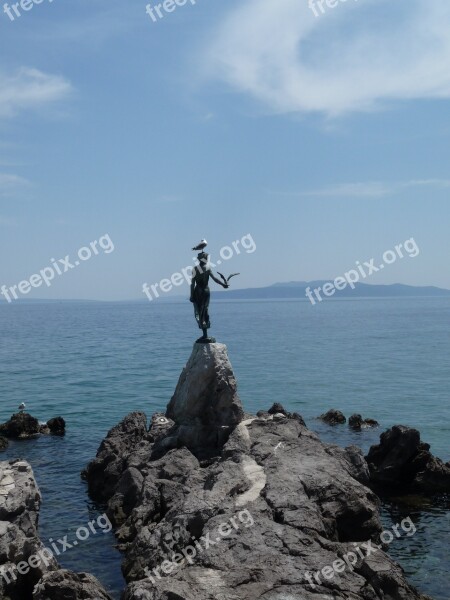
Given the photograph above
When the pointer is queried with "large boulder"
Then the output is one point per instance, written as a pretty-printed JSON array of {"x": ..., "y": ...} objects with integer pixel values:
[
  {"x": 205, "y": 406},
  {"x": 402, "y": 463}
]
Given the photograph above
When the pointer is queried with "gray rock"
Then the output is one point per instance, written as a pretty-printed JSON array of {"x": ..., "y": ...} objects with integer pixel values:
[
  {"x": 248, "y": 515},
  {"x": 296, "y": 504},
  {"x": 20, "y": 501},
  {"x": 205, "y": 406},
  {"x": 333, "y": 417},
  {"x": 28, "y": 571},
  {"x": 402, "y": 463},
  {"x": 66, "y": 585},
  {"x": 3, "y": 443}
]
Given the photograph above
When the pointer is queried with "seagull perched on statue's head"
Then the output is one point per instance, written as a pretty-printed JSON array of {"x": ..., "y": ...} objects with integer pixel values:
[
  {"x": 22, "y": 407},
  {"x": 201, "y": 246}
]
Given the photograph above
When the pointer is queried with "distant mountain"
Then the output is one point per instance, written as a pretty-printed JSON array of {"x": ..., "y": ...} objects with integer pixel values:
[{"x": 297, "y": 289}]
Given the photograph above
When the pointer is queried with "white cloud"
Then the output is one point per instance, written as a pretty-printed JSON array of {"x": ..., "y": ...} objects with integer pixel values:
[
  {"x": 355, "y": 57},
  {"x": 11, "y": 183},
  {"x": 29, "y": 89},
  {"x": 370, "y": 189}
]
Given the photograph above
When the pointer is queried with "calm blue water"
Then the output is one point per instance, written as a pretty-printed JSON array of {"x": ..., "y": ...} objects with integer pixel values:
[{"x": 92, "y": 363}]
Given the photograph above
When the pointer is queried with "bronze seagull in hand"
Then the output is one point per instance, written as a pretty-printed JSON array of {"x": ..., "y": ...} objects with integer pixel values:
[{"x": 227, "y": 279}]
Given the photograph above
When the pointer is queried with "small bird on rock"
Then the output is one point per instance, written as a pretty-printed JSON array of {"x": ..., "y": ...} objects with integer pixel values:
[{"x": 22, "y": 407}]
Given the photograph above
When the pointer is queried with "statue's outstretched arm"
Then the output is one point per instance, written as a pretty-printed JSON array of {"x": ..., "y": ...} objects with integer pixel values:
[{"x": 224, "y": 285}]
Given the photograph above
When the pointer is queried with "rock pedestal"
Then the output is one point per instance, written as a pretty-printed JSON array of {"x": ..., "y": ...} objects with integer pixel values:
[{"x": 206, "y": 406}]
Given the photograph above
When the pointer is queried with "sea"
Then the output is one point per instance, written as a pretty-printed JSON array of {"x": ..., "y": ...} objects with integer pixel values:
[{"x": 94, "y": 362}]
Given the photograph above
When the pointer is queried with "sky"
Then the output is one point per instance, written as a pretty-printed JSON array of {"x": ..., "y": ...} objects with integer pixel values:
[{"x": 323, "y": 139}]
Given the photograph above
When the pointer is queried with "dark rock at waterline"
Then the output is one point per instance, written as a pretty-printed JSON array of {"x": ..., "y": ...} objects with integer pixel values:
[
  {"x": 21, "y": 426},
  {"x": 290, "y": 505},
  {"x": 3, "y": 443},
  {"x": 66, "y": 585},
  {"x": 333, "y": 417},
  {"x": 278, "y": 409},
  {"x": 402, "y": 463},
  {"x": 104, "y": 471},
  {"x": 357, "y": 422},
  {"x": 57, "y": 426}
]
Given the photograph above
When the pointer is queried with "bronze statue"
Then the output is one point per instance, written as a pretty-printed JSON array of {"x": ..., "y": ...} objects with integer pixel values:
[{"x": 200, "y": 294}]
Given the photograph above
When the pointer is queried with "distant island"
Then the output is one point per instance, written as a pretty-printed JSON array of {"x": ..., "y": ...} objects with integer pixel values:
[
  {"x": 277, "y": 291},
  {"x": 297, "y": 289}
]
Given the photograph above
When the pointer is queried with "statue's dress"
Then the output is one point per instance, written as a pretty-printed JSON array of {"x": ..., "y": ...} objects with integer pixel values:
[{"x": 201, "y": 298}]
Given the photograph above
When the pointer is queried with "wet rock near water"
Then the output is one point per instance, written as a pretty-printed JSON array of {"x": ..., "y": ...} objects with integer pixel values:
[
  {"x": 357, "y": 422},
  {"x": 333, "y": 417},
  {"x": 3, "y": 443},
  {"x": 23, "y": 426},
  {"x": 401, "y": 463},
  {"x": 55, "y": 426},
  {"x": 20, "y": 426},
  {"x": 20, "y": 501},
  {"x": 247, "y": 517},
  {"x": 27, "y": 571}
]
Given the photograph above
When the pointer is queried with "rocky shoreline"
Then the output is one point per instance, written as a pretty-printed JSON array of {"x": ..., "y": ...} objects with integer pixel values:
[
  {"x": 210, "y": 503},
  {"x": 172, "y": 489},
  {"x": 28, "y": 571}
]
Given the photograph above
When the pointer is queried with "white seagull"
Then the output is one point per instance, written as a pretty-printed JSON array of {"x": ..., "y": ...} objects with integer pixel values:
[
  {"x": 201, "y": 246},
  {"x": 22, "y": 407}
]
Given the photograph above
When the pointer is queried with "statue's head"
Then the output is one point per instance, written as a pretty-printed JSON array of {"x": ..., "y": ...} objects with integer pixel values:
[{"x": 203, "y": 259}]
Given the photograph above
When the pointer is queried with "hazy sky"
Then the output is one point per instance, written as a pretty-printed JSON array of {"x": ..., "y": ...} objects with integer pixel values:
[{"x": 324, "y": 138}]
